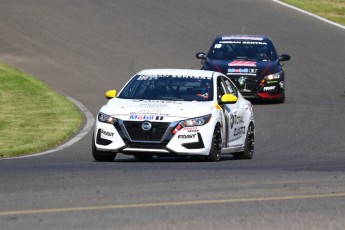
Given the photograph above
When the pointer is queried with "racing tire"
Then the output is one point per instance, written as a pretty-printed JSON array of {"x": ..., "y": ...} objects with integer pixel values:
[
  {"x": 248, "y": 145},
  {"x": 216, "y": 145},
  {"x": 100, "y": 155},
  {"x": 143, "y": 156}
]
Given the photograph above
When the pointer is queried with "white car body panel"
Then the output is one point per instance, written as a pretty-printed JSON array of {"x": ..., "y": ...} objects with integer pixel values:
[{"x": 234, "y": 120}]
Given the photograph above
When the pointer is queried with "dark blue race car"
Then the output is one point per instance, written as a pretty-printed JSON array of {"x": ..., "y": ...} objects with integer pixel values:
[{"x": 251, "y": 62}]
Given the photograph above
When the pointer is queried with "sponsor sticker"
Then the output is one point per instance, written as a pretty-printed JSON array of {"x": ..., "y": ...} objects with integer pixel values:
[
  {"x": 193, "y": 131},
  {"x": 235, "y": 119},
  {"x": 188, "y": 138},
  {"x": 145, "y": 117},
  {"x": 242, "y": 38},
  {"x": 269, "y": 88},
  {"x": 254, "y": 43},
  {"x": 242, "y": 63},
  {"x": 191, "y": 128},
  {"x": 106, "y": 135},
  {"x": 239, "y": 131},
  {"x": 151, "y": 112},
  {"x": 243, "y": 42},
  {"x": 152, "y": 77},
  {"x": 242, "y": 71},
  {"x": 151, "y": 105},
  {"x": 230, "y": 42}
]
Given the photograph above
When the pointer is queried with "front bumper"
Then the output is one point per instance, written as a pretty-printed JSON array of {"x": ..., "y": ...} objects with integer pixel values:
[
  {"x": 262, "y": 95},
  {"x": 253, "y": 87},
  {"x": 265, "y": 91},
  {"x": 127, "y": 137}
]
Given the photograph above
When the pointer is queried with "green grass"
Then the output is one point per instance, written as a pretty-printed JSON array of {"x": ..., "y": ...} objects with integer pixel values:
[
  {"x": 333, "y": 10},
  {"x": 33, "y": 118}
]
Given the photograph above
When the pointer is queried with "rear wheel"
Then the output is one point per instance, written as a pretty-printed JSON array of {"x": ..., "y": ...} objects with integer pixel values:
[
  {"x": 100, "y": 155},
  {"x": 248, "y": 145},
  {"x": 216, "y": 145}
]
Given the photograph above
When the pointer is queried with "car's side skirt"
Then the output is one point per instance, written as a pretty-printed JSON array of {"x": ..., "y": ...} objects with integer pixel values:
[{"x": 233, "y": 149}]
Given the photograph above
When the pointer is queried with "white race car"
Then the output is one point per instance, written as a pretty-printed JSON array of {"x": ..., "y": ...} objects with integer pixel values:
[{"x": 175, "y": 112}]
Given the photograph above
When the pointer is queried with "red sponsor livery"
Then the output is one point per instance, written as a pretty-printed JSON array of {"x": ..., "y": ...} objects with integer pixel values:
[{"x": 242, "y": 63}]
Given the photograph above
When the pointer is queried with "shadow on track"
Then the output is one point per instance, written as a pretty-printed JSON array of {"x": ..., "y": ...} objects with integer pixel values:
[{"x": 173, "y": 159}]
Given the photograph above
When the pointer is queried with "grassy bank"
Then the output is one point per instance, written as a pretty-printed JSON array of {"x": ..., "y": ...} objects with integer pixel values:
[
  {"x": 33, "y": 118},
  {"x": 333, "y": 10}
]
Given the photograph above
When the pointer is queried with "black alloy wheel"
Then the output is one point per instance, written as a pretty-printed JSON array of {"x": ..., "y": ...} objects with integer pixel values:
[{"x": 216, "y": 145}]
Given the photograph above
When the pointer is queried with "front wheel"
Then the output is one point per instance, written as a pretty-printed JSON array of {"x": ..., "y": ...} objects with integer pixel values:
[
  {"x": 248, "y": 145},
  {"x": 282, "y": 99},
  {"x": 100, "y": 155},
  {"x": 216, "y": 145}
]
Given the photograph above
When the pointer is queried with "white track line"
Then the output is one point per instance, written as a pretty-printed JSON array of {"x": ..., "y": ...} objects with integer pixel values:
[
  {"x": 310, "y": 14},
  {"x": 89, "y": 123}
]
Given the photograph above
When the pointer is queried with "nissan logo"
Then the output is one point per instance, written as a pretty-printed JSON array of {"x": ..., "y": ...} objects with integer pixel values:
[{"x": 146, "y": 126}]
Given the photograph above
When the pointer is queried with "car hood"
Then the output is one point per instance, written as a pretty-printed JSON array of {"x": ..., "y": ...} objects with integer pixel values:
[
  {"x": 129, "y": 109},
  {"x": 243, "y": 67}
]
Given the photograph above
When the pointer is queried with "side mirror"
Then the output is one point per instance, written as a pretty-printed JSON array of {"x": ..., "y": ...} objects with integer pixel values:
[
  {"x": 200, "y": 55},
  {"x": 284, "y": 57},
  {"x": 228, "y": 99},
  {"x": 110, "y": 94}
]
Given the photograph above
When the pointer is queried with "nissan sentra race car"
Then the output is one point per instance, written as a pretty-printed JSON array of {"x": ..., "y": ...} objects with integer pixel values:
[
  {"x": 251, "y": 62},
  {"x": 162, "y": 112}
]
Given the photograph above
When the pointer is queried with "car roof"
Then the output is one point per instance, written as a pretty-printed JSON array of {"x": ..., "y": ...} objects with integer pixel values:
[{"x": 189, "y": 72}]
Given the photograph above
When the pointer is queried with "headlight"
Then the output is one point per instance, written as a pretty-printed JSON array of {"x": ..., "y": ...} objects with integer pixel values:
[
  {"x": 197, "y": 121},
  {"x": 272, "y": 76},
  {"x": 102, "y": 117}
]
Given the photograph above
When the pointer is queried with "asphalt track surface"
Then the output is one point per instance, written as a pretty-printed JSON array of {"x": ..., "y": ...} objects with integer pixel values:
[{"x": 82, "y": 48}]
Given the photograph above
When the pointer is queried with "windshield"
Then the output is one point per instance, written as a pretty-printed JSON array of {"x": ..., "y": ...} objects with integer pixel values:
[
  {"x": 258, "y": 50},
  {"x": 169, "y": 87}
]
